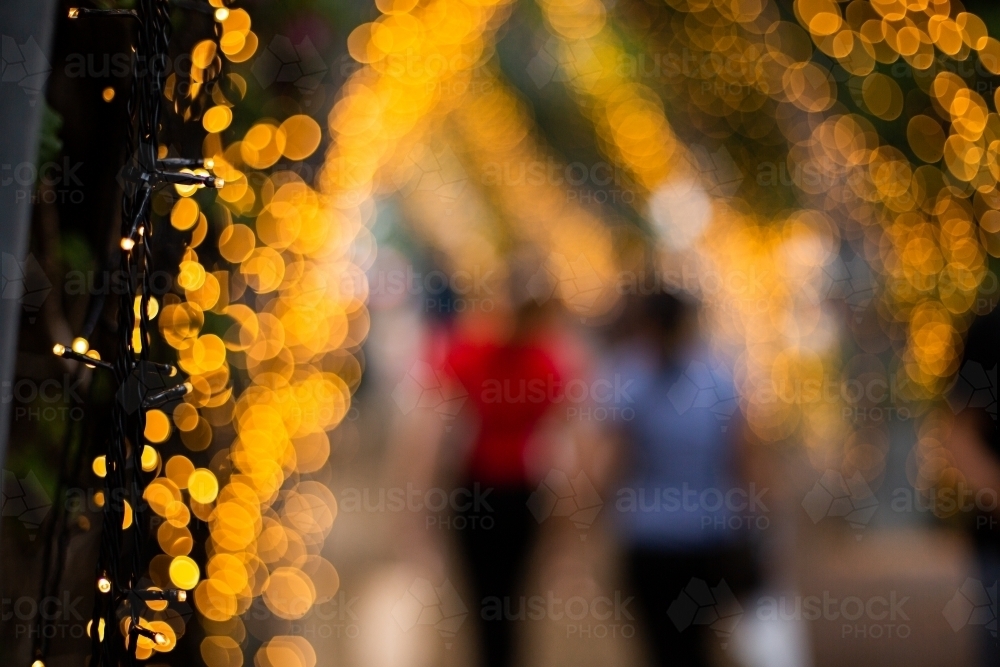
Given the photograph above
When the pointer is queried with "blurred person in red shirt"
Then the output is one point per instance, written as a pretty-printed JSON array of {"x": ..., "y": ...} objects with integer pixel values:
[{"x": 514, "y": 380}]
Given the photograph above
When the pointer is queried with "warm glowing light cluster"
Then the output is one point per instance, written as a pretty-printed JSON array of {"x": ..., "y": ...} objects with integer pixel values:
[
  {"x": 291, "y": 331},
  {"x": 627, "y": 115},
  {"x": 923, "y": 229},
  {"x": 776, "y": 327},
  {"x": 580, "y": 266},
  {"x": 921, "y": 218}
]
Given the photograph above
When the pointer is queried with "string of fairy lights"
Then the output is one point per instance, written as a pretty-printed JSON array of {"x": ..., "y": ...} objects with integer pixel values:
[
  {"x": 121, "y": 598},
  {"x": 257, "y": 401}
]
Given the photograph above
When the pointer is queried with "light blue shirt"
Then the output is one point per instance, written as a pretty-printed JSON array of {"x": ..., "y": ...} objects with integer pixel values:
[{"x": 680, "y": 491}]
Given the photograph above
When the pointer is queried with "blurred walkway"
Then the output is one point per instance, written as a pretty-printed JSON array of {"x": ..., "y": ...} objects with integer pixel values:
[{"x": 404, "y": 599}]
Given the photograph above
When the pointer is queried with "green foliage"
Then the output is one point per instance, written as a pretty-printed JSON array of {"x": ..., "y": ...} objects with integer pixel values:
[
  {"x": 216, "y": 324},
  {"x": 75, "y": 252},
  {"x": 49, "y": 143}
]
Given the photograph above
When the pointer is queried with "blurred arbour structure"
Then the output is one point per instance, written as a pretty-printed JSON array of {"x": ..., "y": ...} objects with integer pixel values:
[
  {"x": 823, "y": 88},
  {"x": 808, "y": 95}
]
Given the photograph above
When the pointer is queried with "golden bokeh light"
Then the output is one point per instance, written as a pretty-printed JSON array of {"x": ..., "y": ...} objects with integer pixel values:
[
  {"x": 184, "y": 572},
  {"x": 301, "y": 137},
  {"x": 217, "y": 119},
  {"x": 157, "y": 426},
  {"x": 178, "y": 470},
  {"x": 203, "y": 486},
  {"x": 149, "y": 458}
]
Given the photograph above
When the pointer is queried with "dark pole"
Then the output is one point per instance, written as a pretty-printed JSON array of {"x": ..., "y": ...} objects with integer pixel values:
[{"x": 25, "y": 37}]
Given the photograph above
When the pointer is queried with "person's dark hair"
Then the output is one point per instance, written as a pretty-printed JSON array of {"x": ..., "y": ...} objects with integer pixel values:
[{"x": 665, "y": 313}]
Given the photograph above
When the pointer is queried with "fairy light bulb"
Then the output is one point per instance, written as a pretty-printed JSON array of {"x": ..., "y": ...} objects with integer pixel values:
[
  {"x": 149, "y": 458},
  {"x": 74, "y": 12},
  {"x": 128, "y": 244},
  {"x": 38, "y": 663},
  {"x": 182, "y": 596},
  {"x": 127, "y": 519},
  {"x": 58, "y": 350},
  {"x": 104, "y": 585},
  {"x": 80, "y": 345},
  {"x": 221, "y": 14},
  {"x": 100, "y": 629},
  {"x": 209, "y": 162},
  {"x": 93, "y": 354},
  {"x": 160, "y": 639}
]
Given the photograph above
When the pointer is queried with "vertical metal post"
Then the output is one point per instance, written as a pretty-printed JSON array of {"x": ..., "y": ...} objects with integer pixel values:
[{"x": 25, "y": 37}]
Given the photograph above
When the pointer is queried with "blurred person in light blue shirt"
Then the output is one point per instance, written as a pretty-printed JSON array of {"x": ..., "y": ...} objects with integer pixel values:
[{"x": 682, "y": 510}]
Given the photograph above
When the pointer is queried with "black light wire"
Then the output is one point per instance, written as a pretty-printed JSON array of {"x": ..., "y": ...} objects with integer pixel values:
[{"x": 122, "y": 562}]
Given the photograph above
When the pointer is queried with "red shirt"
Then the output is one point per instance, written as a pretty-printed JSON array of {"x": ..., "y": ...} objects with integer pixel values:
[{"x": 511, "y": 388}]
